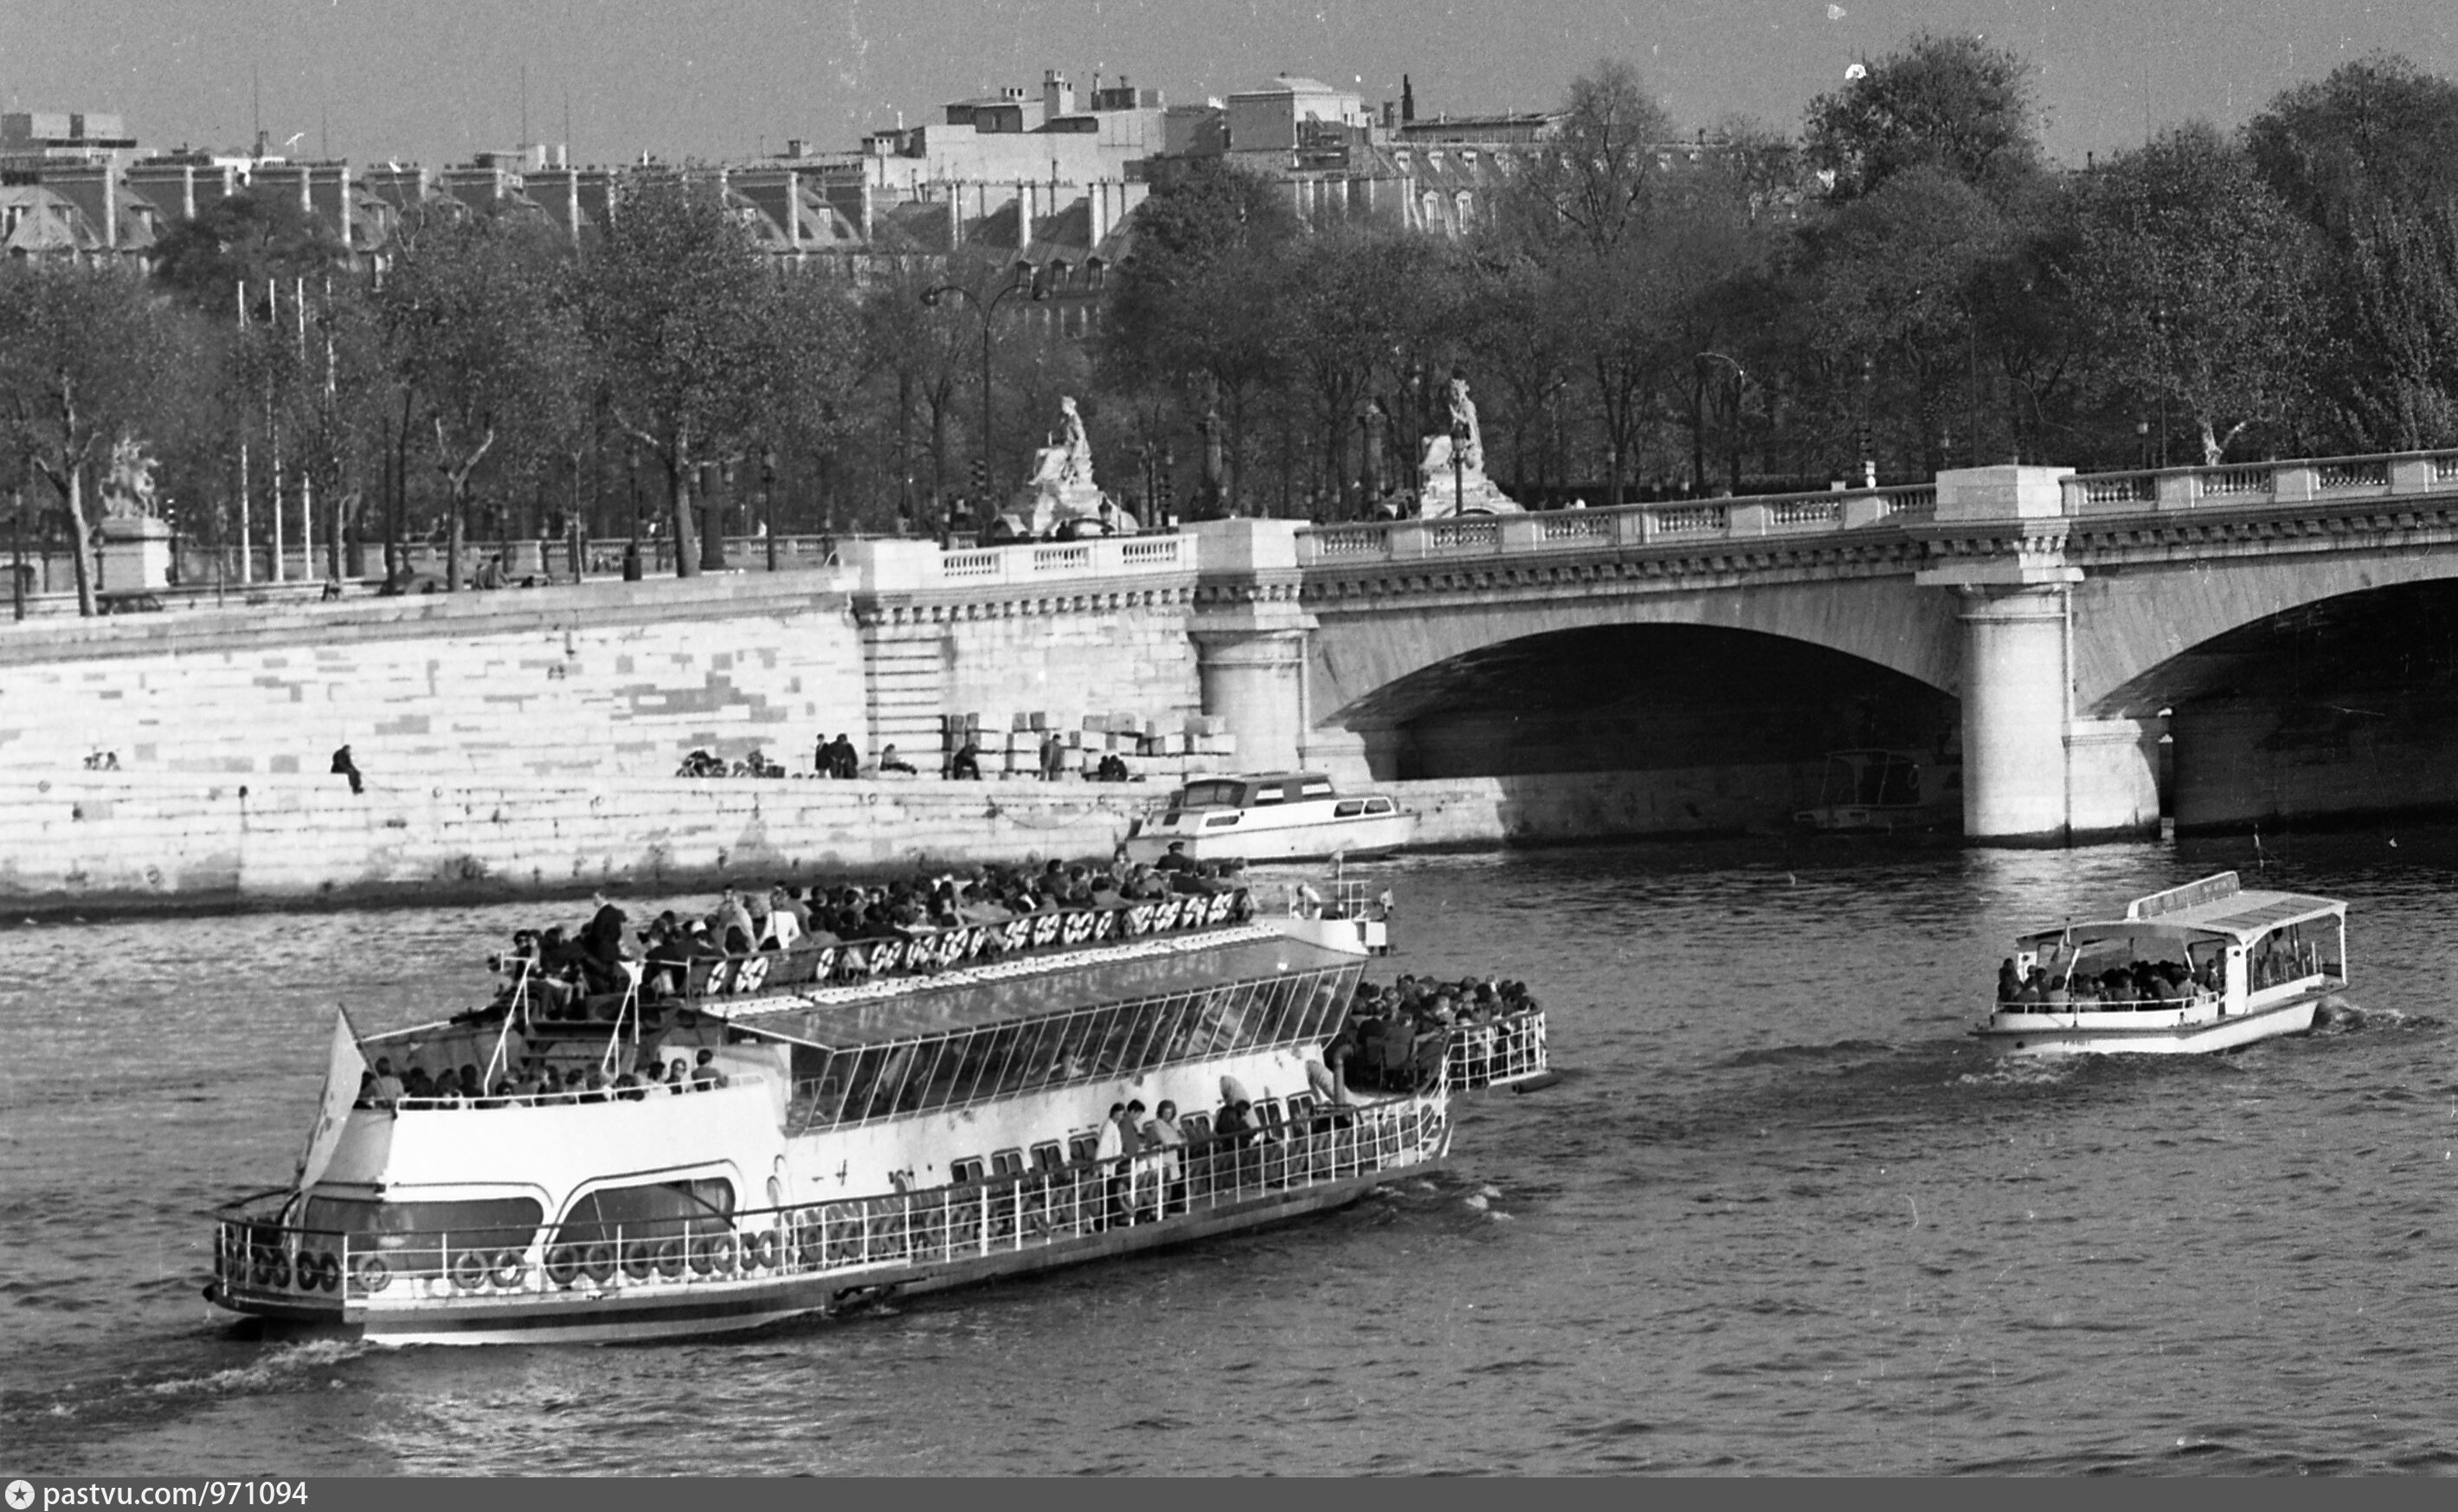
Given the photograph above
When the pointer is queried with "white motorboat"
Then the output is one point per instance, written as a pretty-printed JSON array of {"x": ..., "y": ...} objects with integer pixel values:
[
  {"x": 1270, "y": 817},
  {"x": 2206, "y": 966}
]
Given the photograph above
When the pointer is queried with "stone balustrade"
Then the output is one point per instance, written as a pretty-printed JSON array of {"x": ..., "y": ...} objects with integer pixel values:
[
  {"x": 1629, "y": 525},
  {"x": 2390, "y": 475}
]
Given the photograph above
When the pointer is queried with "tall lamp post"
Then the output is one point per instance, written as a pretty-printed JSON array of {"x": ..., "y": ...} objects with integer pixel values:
[{"x": 1021, "y": 279}]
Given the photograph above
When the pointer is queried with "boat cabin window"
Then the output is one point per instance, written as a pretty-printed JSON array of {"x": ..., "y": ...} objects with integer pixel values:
[
  {"x": 653, "y": 1209},
  {"x": 1378, "y": 805},
  {"x": 967, "y": 1168},
  {"x": 1348, "y": 808},
  {"x": 476, "y": 1220},
  {"x": 1263, "y": 793},
  {"x": 1211, "y": 796},
  {"x": 1006, "y": 1162},
  {"x": 2292, "y": 953},
  {"x": 1048, "y": 1156},
  {"x": 1301, "y": 1107},
  {"x": 1083, "y": 1148},
  {"x": 1221, "y": 821},
  {"x": 1195, "y": 1125},
  {"x": 1098, "y": 1044},
  {"x": 1313, "y": 788},
  {"x": 1267, "y": 1113}
]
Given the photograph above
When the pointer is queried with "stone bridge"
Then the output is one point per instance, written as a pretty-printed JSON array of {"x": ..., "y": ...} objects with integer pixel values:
[
  {"x": 2256, "y": 643},
  {"x": 2274, "y": 623}
]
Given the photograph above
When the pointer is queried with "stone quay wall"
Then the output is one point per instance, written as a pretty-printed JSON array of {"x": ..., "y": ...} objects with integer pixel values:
[
  {"x": 121, "y": 841},
  {"x": 607, "y": 680}
]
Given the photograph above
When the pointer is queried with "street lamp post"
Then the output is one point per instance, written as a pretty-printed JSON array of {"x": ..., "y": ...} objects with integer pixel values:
[{"x": 1021, "y": 279}]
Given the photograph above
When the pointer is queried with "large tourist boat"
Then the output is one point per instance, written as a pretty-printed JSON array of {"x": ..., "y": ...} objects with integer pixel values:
[
  {"x": 1270, "y": 817},
  {"x": 834, "y": 1125},
  {"x": 2209, "y": 966}
]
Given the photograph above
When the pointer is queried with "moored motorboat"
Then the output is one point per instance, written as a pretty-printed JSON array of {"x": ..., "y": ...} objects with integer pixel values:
[
  {"x": 851, "y": 1122},
  {"x": 1270, "y": 817},
  {"x": 2206, "y": 966}
]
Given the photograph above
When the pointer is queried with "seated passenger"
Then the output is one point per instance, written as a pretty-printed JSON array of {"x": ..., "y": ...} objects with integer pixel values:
[
  {"x": 389, "y": 1088},
  {"x": 705, "y": 1076}
]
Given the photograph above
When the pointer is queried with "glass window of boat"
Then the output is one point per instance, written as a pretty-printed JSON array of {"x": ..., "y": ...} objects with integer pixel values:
[
  {"x": 963, "y": 1168},
  {"x": 1348, "y": 808},
  {"x": 1006, "y": 1162},
  {"x": 650, "y": 1210},
  {"x": 1378, "y": 805},
  {"x": 507, "y": 1221},
  {"x": 1211, "y": 794},
  {"x": 1263, "y": 793},
  {"x": 1313, "y": 787},
  {"x": 1196, "y": 1127},
  {"x": 2093, "y": 952},
  {"x": 1048, "y": 1156}
]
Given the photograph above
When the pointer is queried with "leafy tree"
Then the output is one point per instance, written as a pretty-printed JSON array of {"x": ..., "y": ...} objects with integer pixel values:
[
  {"x": 245, "y": 239},
  {"x": 1199, "y": 306},
  {"x": 479, "y": 314},
  {"x": 2393, "y": 379},
  {"x": 1589, "y": 184},
  {"x": 2376, "y": 130},
  {"x": 2201, "y": 283},
  {"x": 679, "y": 306},
  {"x": 87, "y": 354},
  {"x": 1951, "y": 104}
]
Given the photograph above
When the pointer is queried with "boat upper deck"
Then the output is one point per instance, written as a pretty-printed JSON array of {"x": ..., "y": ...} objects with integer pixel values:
[{"x": 888, "y": 1011}]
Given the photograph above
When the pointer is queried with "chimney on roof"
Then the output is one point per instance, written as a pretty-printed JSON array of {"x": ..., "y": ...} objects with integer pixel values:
[{"x": 1408, "y": 100}]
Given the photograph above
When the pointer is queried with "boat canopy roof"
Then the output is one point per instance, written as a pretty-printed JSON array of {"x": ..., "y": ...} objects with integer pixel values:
[
  {"x": 2212, "y": 906},
  {"x": 1250, "y": 788},
  {"x": 980, "y": 997}
]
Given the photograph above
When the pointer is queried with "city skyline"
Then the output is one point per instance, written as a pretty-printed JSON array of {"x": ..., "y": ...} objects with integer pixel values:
[{"x": 441, "y": 81}]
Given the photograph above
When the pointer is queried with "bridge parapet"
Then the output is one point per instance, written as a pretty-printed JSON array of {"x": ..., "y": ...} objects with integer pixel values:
[
  {"x": 2386, "y": 475},
  {"x": 1789, "y": 514}
]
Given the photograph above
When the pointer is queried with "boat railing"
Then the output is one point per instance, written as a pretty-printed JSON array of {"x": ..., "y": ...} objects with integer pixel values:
[
  {"x": 1491, "y": 1052},
  {"x": 2201, "y": 998},
  {"x": 258, "y": 1257},
  {"x": 567, "y": 1097},
  {"x": 924, "y": 951}
]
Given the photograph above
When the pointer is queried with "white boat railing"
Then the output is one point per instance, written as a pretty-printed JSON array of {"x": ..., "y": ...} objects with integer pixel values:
[
  {"x": 1488, "y": 1054},
  {"x": 260, "y": 1260}
]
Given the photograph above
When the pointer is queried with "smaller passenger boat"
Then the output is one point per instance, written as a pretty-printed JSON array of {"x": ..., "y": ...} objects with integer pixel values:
[
  {"x": 2206, "y": 966},
  {"x": 1270, "y": 817}
]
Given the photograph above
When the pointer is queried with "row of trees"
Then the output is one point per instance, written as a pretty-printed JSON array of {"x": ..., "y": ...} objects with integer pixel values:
[{"x": 1904, "y": 286}]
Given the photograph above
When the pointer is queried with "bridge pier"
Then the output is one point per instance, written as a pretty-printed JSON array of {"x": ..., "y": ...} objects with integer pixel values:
[
  {"x": 2032, "y": 773},
  {"x": 1250, "y": 636}
]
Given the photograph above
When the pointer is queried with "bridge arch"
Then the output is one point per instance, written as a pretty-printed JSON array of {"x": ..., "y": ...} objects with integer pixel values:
[{"x": 1361, "y": 647}]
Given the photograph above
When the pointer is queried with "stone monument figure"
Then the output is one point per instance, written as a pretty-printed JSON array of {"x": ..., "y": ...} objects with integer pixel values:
[
  {"x": 1377, "y": 422},
  {"x": 1060, "y": 493},
  {"x": 128, "y": 489},
  {"x": 1450, "y": 479}
]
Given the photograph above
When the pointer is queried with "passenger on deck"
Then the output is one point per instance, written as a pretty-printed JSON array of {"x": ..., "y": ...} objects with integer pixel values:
[
  {"x": 1109, "y": 1165},
  {"x": 1164, "y": 1135},
  {"x": 2010, "y": 981},
  {"x": 389, "y": 1088},
  {"x": 1174, "y": 859},
  {"x": 784, "y": 920},
  {"x": 675, "y": 1082},
  {"x": 705, "y": 1076}
]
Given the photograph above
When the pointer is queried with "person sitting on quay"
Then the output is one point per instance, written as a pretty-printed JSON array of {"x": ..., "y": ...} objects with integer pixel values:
[
  {"x": 965, "y": 765},
  {"x": 889, "y": 762}
]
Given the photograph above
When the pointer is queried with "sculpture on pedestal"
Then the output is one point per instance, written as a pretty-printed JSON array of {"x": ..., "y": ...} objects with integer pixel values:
[
  {"x": 1060, "y": 499},
  {"x": 1452, "y": 477}
]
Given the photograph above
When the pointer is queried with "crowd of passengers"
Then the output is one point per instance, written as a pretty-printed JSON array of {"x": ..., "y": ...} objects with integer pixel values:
[
  {"x": 534, "y": 1078},
  {"x": 2142, "y": 984},
  {"x": 563, "y": 972},
  {"x": 1395, "y": 1035}
]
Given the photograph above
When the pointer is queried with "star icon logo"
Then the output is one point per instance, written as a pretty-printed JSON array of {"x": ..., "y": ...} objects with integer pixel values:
[{"x": 21, "y": 1495}]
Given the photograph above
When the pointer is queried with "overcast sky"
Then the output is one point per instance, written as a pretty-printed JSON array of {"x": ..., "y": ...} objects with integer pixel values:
[{"x": 434, "y": 80}]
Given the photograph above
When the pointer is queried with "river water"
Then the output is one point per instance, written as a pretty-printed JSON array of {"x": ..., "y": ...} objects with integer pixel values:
[{"x": 1781, "y": 1216}]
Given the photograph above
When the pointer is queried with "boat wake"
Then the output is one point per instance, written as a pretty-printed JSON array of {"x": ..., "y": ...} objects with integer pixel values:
[{"x": 1805, "y": 1054}]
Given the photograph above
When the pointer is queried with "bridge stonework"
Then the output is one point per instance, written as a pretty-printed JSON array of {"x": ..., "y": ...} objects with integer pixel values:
[{"x": 2055, "y": 620}]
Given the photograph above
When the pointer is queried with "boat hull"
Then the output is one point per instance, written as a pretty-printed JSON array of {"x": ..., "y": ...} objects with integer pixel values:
[{"x": 2078, "y": 1034}]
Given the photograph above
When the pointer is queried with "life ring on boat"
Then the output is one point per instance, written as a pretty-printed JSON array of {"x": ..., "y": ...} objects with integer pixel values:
[
  {"x": 802, "y": 1248},
  {"x": 639, "y": 1256},
  {"x": 511, "y": 1269},
  {"x": 670, "y": 1258},
  {"x": 760, "y": 1252},
  {"x": 717, "y": 1254},
  {"x": 597, "y": 1262},
  {"x": 371, "y": 1275},
  {"x": 327, "y": 1269},
  {"x": 469, "y": 1271},
  {"x": 563, "y": 1265},
  {"x": 281, "y": 1272}
]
